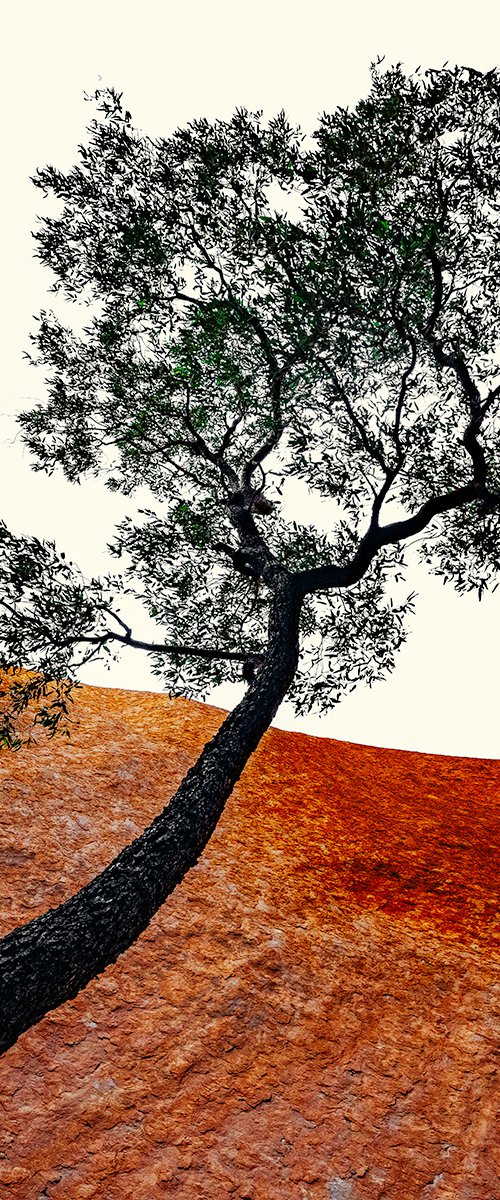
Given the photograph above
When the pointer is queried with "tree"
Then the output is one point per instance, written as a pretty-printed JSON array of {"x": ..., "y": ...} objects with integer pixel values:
[{"x": 265, "y": 310}]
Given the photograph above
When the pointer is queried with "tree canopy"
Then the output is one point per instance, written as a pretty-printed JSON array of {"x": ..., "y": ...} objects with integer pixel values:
[
  {"x": 265, "y": 310},
  {"x": 262, "y": 306}
]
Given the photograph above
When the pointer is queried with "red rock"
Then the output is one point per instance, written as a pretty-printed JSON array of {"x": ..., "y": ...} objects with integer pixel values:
[{"x": 313, "y": 1015}]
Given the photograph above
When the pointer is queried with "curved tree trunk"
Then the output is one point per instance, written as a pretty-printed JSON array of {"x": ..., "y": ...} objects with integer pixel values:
[{"x": 53, "y": 957}]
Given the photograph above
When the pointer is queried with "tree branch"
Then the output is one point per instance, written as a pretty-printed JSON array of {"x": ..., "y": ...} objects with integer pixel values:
[
  {"x": 456, "y": 362},
  {"x": 168, "y": 648},
  {"x": 406, "y": 336},
  {"x": 275, "y": 371},
  {"x": 200, "y": 447},
  {"x": 126, "y": 638},
  {"x": 242, "y": 561},
  {"x": 319, "y": 579},
  {"x": 391, "y": 472},
  {"x": 371, "y": 449}
]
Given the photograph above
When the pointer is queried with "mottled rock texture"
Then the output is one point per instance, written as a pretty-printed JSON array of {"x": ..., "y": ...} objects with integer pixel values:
[{"x": 313, "y": 1014}]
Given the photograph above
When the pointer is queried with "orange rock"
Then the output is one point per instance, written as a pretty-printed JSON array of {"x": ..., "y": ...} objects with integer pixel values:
[{"x": 313, "y": 1015}]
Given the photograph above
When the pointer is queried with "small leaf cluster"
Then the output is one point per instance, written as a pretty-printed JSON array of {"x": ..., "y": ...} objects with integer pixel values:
[{"x": 46, "y": 609}]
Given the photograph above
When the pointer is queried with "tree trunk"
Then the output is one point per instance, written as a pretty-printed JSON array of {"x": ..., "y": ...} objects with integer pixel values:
[{"x": 49, "y": 960}]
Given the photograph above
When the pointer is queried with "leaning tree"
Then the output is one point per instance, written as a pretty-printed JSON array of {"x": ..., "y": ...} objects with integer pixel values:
[{"x": 261, "y": 307}]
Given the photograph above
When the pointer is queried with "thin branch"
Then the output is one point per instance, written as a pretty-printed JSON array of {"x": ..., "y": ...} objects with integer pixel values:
[
  {"x": 487, "y": 403},
  {"x": 406, "y": 336},
  {"x": 190, "y": 299},
  {"x": 371, "y": 449},
  {"x": 183, "y": 470},
  {"x": 261, "y": 453},
  {"x": 200, "y": 447},
  {"x": 230, "y": 429},
  {"x": 391, "y": 473},
  {"x": 155, "y": 647},
  {"x": 192, "y": 651},
  {"x": 283, "y": 262},
  {"x": 456, "y": 362},
  {"x": 275, "y": 371},
  {"x": 115, "y": 616},
  {"x": 437, "y": 302}
]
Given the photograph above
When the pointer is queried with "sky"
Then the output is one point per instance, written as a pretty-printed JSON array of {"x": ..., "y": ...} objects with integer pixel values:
[{"x": 174, "y": 63}]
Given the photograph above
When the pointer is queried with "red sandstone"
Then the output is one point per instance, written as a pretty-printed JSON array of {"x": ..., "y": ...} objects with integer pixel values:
[{"x": 313, "y": 1015}]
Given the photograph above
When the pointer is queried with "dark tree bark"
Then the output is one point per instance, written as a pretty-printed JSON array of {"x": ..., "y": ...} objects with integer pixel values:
[{"x": 49, "y": 960}]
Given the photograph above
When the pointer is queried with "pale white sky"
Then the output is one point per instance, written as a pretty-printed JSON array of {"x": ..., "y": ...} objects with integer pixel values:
[{"x": 174, "y": 62}]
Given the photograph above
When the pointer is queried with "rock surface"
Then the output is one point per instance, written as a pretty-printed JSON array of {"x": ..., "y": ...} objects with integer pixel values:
[{"x": 313, "y": 1015}]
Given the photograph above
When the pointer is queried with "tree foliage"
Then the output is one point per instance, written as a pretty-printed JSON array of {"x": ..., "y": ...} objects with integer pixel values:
[{"x": 264, "y": 309}]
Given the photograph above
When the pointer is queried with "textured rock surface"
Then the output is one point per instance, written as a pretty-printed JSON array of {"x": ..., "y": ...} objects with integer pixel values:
[{"x": 314, "y": 1013}]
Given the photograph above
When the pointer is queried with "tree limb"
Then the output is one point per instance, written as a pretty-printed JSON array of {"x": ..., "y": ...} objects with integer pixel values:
[
  {"x": 126, "y": 639},
  {"x": 319, "y": 579}
]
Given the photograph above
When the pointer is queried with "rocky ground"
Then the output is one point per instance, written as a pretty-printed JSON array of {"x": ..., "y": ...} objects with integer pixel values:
[{"x": 313, "y": 1015}]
